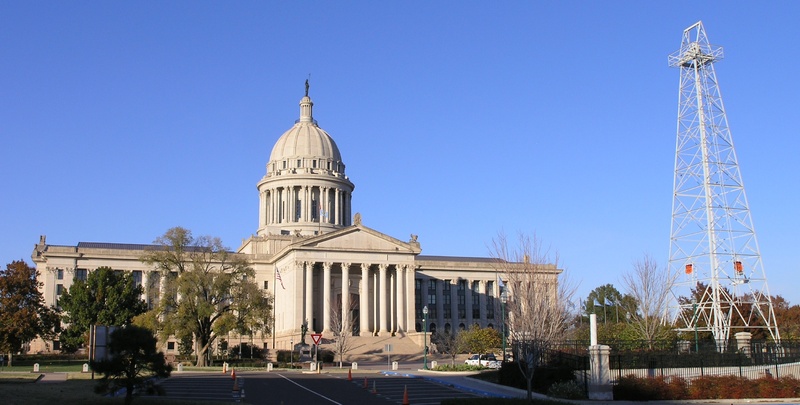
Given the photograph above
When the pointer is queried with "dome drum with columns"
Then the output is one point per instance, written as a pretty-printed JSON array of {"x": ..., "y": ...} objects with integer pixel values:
[
  {"x": 305, "y": 189},
  {"x": 320, "y": 263}
]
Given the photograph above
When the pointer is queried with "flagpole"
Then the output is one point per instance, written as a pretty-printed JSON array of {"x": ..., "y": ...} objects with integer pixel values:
[{"x": 274, "y": 302}]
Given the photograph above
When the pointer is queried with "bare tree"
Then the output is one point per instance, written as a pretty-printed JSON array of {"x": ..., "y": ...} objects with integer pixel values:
[
  {"x": 450, "y": 343},
  {"x": 343, "y": 340},
  {"x": 538, "y": 304},
  {"x": 650, "y": 288}
]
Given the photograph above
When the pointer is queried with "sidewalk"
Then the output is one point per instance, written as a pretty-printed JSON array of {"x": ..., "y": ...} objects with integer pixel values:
[{"x": 53, "y": 378}]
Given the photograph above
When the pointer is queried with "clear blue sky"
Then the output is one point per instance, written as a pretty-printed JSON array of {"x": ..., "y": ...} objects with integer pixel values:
[{"x": 456, "y": 120}]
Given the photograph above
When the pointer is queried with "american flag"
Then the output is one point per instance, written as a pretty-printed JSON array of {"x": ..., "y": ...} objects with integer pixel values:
[{"x": 278, "y": 276}]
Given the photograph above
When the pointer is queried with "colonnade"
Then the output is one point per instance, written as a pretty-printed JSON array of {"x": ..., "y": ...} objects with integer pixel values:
[
  {"x": 383, "y": 291},
  {"x": 302, "y": 204}
]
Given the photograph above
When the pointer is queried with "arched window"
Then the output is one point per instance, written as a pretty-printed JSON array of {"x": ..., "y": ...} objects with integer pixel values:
[
  {"x": 418, "y": 327},
  {"x": 490, "y": 326},
  {"x": 447, "y": 328},
  {"x": 461, "y": 326},
  {"x": 432, "y": 328}
]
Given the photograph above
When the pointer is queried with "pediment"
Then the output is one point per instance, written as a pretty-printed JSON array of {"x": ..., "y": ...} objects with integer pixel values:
[{"x": 357, "y": 238}]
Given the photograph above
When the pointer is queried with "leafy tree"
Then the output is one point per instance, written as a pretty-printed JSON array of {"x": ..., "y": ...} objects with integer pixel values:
[
  {"x": 132, "y": 360},
  {"x": 480, "y": 340},
  {"x": 538, "y": 301},
  {"x": 788, "y": 318},
  {"x": 207, "y": 291},
  {"x": 605, "y": 302},
  {"x": 106, "y": 297},
  {"x": 23, "y": 313}
]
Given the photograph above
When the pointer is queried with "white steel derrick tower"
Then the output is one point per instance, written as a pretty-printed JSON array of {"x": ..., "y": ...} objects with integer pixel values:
[{"x": 713, "y": 247}]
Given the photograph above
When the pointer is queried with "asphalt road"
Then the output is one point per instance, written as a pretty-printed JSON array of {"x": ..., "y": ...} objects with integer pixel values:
[{"x": 287, "y": 388}]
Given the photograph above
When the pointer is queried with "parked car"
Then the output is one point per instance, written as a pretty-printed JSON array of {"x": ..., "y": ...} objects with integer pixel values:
[{"x": 485, "y": 360}]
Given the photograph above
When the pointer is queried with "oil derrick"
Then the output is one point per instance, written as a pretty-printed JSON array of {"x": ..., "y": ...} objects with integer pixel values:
[{"x": 721, "y": 285}]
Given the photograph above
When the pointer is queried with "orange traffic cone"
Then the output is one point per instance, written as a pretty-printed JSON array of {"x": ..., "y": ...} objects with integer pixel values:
[
  {"x": 233, "y": 373},
  {"x": 405, "y": 395},
  {"x": 349, "y": 375},
  {"x": 224, "y": 368}
]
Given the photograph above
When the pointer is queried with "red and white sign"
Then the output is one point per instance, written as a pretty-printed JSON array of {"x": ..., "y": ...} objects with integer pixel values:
[{"x": 316, "y": 337}]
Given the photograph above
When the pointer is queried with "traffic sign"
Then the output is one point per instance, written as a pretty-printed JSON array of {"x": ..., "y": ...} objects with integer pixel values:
[{"x": 316, "y": 337}]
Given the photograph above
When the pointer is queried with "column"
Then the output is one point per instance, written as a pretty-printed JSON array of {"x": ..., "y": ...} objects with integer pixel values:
[
  {"x": 391, "y": 295},
  {"x": 410, "y": 285},
  {"x": 400, "y": 298},
  {"x": 145, "y": 284},
  {"x": 309, "y": 302},
  {"x": 262, "y": 211},
  {"x": 382, "y": 312},
  {"x": 345, "y": 295},
  {"x": 363, "y": 300},
  {"x": 374, "y": 307},
  {"x": 336, "y": 206},
  {"x": 468, "y": 304},
  {"x": 326, "y": 297}
]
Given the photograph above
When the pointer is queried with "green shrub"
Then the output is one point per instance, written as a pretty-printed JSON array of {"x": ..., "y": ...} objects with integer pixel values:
[
  {"x": 567, "y": 390},
  {"x": 458, "y": 367},
  {"x": 287, "y": 356},
  {"x": 326, "y": 356},
  {"x": 543, "y": 377}
]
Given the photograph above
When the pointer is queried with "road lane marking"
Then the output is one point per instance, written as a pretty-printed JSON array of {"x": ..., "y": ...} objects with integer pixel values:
[{"x": 308, "y": 389}]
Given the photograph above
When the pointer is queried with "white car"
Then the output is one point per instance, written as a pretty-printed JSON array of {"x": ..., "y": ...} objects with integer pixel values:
[{"x": 485, "y": 360}]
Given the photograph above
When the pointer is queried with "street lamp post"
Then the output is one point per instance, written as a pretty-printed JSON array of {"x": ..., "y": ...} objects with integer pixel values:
[
  {"x": 425, "y": 337},
  {"x": 503, "y": 300},
  {"x": 291, "y": 355},
  {"x": 694, "y": 321}
]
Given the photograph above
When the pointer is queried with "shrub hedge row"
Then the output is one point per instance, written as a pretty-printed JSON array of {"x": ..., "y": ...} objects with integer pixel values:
[{"x": 709, "y": 387}]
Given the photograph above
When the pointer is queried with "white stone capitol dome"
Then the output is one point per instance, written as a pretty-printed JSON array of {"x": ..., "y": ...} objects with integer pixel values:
[{"x": 305, "y": 140}]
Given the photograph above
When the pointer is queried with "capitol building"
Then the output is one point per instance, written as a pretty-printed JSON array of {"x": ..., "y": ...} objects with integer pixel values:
[{"x": 321, "y": 264}]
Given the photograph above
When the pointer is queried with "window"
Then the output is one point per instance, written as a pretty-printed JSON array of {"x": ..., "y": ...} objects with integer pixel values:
[
  {"x": 80, "y": 275},
  {"x": 284, "y": 164},
  {"x": 59, "y": 289},
  {"x": 137, "y": 278},
  {"x": 476, "y": 300},
  {"x": 432, "y": 299},
  {"x": 462, "y": 305},
  {"x": 315, "y": 164},
  {"x": 266, "y": 285},
  {"x": 447, "y": 300},
  {"x": 299, "y": 163},
  {"x": 60, "y": 274},
  {"x": 170, "y": 346},
  {"x": 418, "y": 298},
  {"x": 490, "y": 300},
  {"x": 298, "y": 210},
  {"x": 56, "y": 345}
]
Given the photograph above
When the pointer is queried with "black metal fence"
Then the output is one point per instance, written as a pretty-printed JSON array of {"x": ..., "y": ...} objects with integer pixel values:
[{"x": 690, "y": 360}]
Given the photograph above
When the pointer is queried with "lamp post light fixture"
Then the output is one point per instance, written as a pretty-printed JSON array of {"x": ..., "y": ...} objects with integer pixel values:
[
  {"x": 503, "y": 300},
  {"x": 425, "y": 337}
]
